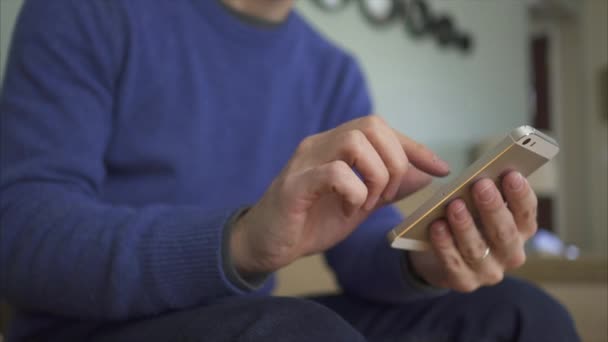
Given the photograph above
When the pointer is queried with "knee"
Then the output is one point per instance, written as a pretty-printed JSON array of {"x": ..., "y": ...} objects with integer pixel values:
[
  {"x": 529, "y": 299},
  {"x": 533, "y": 309},
  {"x": 275, "y": 319},
  {"x": 291, "y": 317}
]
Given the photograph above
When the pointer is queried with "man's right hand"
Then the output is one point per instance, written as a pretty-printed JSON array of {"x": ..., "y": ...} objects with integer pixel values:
[{"x": 318, "y": 199}]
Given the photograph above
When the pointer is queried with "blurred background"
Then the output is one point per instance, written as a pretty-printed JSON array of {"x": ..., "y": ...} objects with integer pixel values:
[{"x": 459, "y": 74}]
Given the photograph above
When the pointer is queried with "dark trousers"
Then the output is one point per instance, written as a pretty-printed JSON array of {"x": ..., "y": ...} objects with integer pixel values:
[{"x": 510, "y": 311}]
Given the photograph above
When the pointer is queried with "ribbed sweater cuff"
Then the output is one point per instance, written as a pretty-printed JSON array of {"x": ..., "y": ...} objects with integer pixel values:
[
  {"x": 183, "y": 261},
  {"x": 415, "y": 284},
  {"x": 250, "y": 283}
]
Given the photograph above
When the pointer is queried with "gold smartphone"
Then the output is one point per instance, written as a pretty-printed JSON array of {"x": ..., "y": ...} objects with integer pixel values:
[{"x": 524, "y": 149}]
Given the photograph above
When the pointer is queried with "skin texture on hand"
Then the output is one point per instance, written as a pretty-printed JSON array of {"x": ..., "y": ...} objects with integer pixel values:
[
  {"x": 460, "y": 242},
  {"x": 332, "y": 183}
]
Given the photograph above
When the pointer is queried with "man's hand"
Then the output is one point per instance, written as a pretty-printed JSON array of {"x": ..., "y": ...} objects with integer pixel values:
[
  {"x": 333, "y": 181},
  {"x": 459, "y": 260}
]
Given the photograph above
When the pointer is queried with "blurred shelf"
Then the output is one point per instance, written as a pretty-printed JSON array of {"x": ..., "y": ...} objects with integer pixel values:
[{"x": 552, "y": 269}]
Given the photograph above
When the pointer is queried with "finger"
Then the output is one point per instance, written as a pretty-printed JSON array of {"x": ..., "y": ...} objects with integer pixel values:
[
  {"x": 468, "y": 239},
  {"x": 389, "y": 148},
  {"x": 472, "y": 246},
  {"x": 412, "y": 181},
  {"x": 459, "y": 275},
  {"x": 522, "y": 202},
  {"x": 422, "y": 157},
  {"x": 418, "y": 154},
  {"x": 499, "y": 227},
  {"x": 355, "y": 149},
  {"x": 333, "y": 177}
]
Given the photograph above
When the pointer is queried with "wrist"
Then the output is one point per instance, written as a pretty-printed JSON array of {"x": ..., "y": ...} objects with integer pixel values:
[
  {"x": 240, "y": 249},
  {"x": 240, "y": 278},
  {"x": 423, "y": 265},
  {"x": 412, "y": 271},
  {"x": 415, "y": 281}
]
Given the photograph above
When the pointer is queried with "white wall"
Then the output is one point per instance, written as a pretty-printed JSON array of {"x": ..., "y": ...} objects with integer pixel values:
[
  {"x": 595, "y": 41},
  {"x": 441, "y": 97},
  {"x": 578, "y": 51},
  {"x": 8, "y": 14}
]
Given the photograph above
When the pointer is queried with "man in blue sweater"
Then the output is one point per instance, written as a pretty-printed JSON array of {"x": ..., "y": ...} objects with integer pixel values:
[{"x": 161, "y": 159}]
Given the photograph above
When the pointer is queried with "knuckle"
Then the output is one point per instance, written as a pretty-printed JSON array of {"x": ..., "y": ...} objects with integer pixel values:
[
  {"x": 398, "y": 167},
  {"x": 442, "y": 244},
  {"x": 494, "y": 277},
  {"x": 466, "y": 286},
  {"x": 358, "y": 195},
  {"x": 517, "y": 260},
  {"x": 504, "y": 234},
  {"x": 473, "y": 251},
  {"x": 306, "y": 144},
  {"x": 383, "y": 177},
  {"x": 452, "y": 262},
  {"x": 337, "y": 170},
  {"x": 374, "y": 122},
  {"x": 378, "y": 179},
  {"x": 528, "y": 215},
  {"x": 533, "y": 228},
  {"x": 353, "y": 140},
  {"x": 528, "y": 228}
]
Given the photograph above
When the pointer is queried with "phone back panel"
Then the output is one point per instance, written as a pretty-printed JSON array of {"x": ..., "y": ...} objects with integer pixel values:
[{"x": 512, "y": 153}]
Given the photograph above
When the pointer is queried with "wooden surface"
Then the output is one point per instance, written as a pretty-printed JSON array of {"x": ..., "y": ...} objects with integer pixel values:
[
  {"x": 551, "y": 270},
  {"x": 306, "y": 276}
]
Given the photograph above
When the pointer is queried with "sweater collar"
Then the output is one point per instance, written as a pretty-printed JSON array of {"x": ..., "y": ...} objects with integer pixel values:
[{"x": 221, "y": 18}]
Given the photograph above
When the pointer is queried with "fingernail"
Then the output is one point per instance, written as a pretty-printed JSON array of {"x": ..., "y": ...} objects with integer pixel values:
[
  {"x": 459, "y": 212},
  {"x": 443, "y": 164},
  {"x": 487, "y": 193},
  {"x": 517, "y": 182}
]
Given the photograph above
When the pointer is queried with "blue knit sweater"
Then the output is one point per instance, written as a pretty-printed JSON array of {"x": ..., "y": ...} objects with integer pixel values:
[{"x": 132, "y": 130}]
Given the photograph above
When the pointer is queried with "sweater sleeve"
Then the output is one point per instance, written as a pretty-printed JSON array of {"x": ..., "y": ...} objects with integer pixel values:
[
  {"x": 62, "y": 249},
  {"x": 364, "y": 263}
]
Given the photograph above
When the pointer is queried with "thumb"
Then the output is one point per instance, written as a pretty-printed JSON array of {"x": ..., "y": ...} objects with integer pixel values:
[{"x": 412, "y": 181}]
